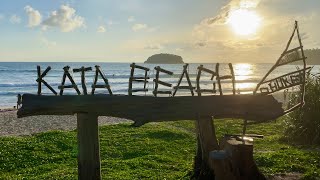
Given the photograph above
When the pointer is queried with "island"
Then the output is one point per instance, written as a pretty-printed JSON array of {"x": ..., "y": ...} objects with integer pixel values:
[{"x": 164, "y": 59}]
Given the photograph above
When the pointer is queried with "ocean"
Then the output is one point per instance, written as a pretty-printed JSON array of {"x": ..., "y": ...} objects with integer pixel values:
[{"x": 20, "y": 77}]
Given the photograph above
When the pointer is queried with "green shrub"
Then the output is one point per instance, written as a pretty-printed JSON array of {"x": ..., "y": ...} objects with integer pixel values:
[{"x": 303, "y": 124}]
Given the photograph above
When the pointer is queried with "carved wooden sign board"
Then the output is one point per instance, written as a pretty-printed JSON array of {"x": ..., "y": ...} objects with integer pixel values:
[{"x": 259, "y": 106}]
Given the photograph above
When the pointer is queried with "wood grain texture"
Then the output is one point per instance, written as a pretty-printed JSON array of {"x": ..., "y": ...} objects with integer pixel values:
[
  {"x": 88, "y": 147},
  {"x": 145, "y": 109}
]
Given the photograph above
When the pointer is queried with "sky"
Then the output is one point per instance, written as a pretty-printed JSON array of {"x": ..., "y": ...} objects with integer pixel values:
[{"x": 133, "y": 30}]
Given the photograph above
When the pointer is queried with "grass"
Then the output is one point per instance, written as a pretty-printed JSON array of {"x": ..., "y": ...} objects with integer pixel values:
[{"x": 156, "y": 150}]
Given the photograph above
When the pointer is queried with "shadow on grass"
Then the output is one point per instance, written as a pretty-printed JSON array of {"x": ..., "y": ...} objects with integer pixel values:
[{"x": 165, "y": 135}]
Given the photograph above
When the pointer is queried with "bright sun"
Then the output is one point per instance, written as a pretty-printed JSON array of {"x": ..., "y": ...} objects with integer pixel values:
[{"x": 244, "y": 22}]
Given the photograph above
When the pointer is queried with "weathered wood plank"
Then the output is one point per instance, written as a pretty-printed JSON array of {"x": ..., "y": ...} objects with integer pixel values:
[{"x": 251, "y": 107}]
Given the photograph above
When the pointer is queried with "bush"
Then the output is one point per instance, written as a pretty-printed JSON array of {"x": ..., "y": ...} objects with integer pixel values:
[{"x": 303, "y": 124}]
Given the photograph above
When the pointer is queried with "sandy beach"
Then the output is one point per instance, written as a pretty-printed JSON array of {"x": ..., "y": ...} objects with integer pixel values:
[{"x": 12, "y": 126}]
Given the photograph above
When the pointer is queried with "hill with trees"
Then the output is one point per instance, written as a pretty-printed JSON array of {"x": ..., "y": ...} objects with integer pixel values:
[{"x": 313, "y": 56}]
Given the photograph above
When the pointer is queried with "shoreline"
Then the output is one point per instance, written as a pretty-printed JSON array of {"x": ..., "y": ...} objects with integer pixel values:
[
  {"x": 5, "y": 109},
  {"x": 11, "y": 126}
]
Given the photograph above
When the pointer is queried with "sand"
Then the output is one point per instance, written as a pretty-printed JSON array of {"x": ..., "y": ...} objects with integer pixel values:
[{"x": 10, "y": 125}]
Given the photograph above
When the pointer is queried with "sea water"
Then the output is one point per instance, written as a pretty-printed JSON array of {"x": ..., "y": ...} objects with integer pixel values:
[{"x": 20, "y": 77}]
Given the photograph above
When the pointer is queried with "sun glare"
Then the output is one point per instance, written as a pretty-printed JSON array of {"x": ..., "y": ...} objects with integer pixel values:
[
  {"x": 242, "y": 71},
  {"x": 244, "y": 22}
]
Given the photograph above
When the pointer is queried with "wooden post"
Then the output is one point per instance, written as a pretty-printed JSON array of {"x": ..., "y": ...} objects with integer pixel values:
[
  {"x": 207, "y": 142},
  {"x": 205, "y": 167},
  {"x": 88, "y": 147}
]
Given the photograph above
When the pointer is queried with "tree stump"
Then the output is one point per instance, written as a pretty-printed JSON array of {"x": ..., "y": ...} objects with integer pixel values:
[
  {"x": 239, "y": 158},
  {"x": 232, "y": 159}
]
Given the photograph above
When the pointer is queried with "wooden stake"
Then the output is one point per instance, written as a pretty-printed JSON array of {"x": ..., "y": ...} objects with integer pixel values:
[
  {"x": 198, "y": 79},
  {"x": 82, "y": 70},
  {"x": 106, "y": 82},
  {"x": 233, "y": 79},
  {"x": 157, "y": 81},
  {"x": 65, "y": 75},
  {"x": 199, "y": 90},
  {"x": 218, "y": 79},
  {"x": 40, "y": 80},
  {"x": 190, "y": 87},
  {"x": 138, "y": 79},
  {"x": 88, "y": 146},
  {"x": 155, "y": 91}
]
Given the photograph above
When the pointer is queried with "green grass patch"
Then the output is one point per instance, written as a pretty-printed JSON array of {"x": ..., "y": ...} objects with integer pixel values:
[{"x": 155, "y": 150}]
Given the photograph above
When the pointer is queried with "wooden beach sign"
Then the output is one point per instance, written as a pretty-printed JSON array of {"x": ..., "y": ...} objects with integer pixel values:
[{"x": 229, "y": 158}]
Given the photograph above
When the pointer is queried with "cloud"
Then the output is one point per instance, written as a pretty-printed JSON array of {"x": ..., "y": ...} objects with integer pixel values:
[
  {"x": 153, "y": 47},
  {"x": 111, "y": 23},
  {"x": 101, "y": 29},
  {"x": 152, "y": 29},
  {"x": 64, "y": 18},
  {"x": 138, "y": 27},
  {"x": 304, "y": 36},
  {"x": 179, "y": 49},
  {"x": 131, "y": 19},
  {"x": 47, "y": 43},
  {"x": 34, "y": 16},
  {"x": 1, "y": 17},
  {"x": 201, "y": 44},
  {"x": 14, "y": 19},
  {"x": 223, "y": 15}
]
